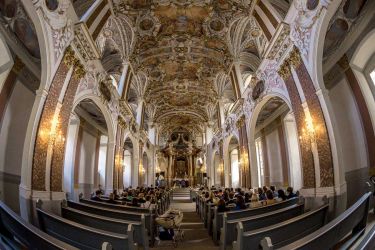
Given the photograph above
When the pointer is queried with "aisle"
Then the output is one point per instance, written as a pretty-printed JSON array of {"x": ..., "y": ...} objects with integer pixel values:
[{"x": 196, "y": 235}]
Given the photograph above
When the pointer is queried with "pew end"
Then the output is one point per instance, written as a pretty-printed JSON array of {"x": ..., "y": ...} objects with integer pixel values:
[
  {"x": 106, "y": 246},
  {"x": 266, "y": 244}
]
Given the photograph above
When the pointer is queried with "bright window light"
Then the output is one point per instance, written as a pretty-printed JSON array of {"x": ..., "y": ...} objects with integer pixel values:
[{"x": 372, "y": 75}]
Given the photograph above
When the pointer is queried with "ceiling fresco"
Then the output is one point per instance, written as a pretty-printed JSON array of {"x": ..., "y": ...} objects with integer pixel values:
[{"x": 181, "y": 46}]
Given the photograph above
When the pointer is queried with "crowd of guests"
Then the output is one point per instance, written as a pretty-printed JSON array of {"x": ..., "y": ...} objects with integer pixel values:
[
  {"x": 144, "y": 197},
  {"x": 236, "y": 199}
]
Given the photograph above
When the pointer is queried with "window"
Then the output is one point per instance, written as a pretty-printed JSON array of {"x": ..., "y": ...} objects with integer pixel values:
[
  {"x": 235, "y": 168},
  {"x": 260, "y": 161},
  {"x": 372, "y": 75}
]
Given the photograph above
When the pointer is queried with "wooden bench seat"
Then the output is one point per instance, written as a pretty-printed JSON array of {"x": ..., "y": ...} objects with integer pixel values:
[
  {"x": 232, "y": 215},
  {"x": 16, "y": 233},
  {"x": 118, "y": 206},
  {"x": 343, "y": 230},
  {"x": 108, "y": 224},
  {"x": 282, "y": 233},
  {"x": 117, "y": 214},
  {"x": 228, "y": 234},
  {"x": 82, "y": 236}
]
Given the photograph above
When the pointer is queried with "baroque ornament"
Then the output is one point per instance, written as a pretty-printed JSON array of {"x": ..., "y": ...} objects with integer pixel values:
[
  {"x": 60, "y": 25},
  {"x": 303, "y": 23}
]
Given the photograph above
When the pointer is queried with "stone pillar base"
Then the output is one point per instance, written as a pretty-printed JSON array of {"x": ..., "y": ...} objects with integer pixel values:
[
  {"x": 336, "y": 198},
  {"x": 51, "y": 202}
]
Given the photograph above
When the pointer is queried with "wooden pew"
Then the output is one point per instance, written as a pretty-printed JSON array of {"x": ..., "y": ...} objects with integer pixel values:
[
  {"x": 82, "y": 236},
  {"x": 343, "y": 231},
  {"x": 217, "y": 223},
  {"x": 108, "y": 224},
  {"x": 117, "y": 207},
  {"x": 368, "y": 243},
  {"x": 282, "y": 233},
  {"x": 117, "y": 214},
  {"x": 16, "y": 233},
  {"x": 228, "y": 234}
]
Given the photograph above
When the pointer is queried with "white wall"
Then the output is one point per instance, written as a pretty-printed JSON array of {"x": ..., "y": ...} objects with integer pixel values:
[
  {"x": 127, "y": 168},
  {"x": 70, "y": 155},
  {"x": 274, "y": 158},
  {"x": 292, "y": 145},
  {"x": 87, "y": 159},
  {"x": 102, "y": 160},
  {"x": 12, "y": 136},
  {"x": 349, "y": 126}
]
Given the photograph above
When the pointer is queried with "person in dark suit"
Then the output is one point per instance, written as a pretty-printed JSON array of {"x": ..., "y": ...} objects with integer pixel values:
[
  {"x": 290, "y": 193},
  {"x": 97, "y": 195}
]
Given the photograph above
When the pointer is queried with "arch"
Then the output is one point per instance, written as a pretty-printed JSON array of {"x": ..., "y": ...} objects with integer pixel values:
[
  {"x": 111, "y": 135},
  {"x": 226, "y": 156},
  {"x": 361, "y": 57},
  {"x": 6, "y": 61},
  {"x": 315, "y": 67},
  {"x": 251, "y": 132}
]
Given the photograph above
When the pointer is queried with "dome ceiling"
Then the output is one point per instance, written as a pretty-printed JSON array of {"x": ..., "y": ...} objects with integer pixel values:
[{"x": 181, "y": 46}]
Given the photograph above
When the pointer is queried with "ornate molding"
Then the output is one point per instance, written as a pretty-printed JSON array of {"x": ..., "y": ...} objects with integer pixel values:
[{"x": 284, "y": 70}]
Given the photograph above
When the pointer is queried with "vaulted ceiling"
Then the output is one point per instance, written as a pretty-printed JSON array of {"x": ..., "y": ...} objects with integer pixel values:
[{"x": 181, "y": 52}]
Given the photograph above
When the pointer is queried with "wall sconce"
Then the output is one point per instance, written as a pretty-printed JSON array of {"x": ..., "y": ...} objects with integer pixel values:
[
  {"x": 141, "y": 168},
  {"x": 52, "y": 134},
  {"x": 221, "y": 168},
  {"x": 308, "y": 131},
  {"x": 244, "y": 160}
]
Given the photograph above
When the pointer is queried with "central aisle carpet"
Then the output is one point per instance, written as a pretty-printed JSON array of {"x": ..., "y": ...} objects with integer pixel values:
[{"x": 196, "y": 235}]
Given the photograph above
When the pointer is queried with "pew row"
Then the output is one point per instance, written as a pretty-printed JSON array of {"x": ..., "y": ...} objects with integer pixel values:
[
  {"x": 116, "y": 206},
  {"x": 228, "y": 234},
  {"x": 282, "y": 233},
  {"x": 368, "y": 242},
  {"x": 82, "y": 236},
  {"x": 344, "y": 231},
  {"x": 117, "y": 214},
  {"x": 232, "y": 215},
  {"x": 16, "y": 233},
  {"x": 108, "y": 224}
]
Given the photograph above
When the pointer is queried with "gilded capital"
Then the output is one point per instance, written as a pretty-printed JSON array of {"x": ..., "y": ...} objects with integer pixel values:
[
  {"x": 69, "y": 57},
  {"x": 295, "y": 58},
  {"x": 284, "y": 70},
  {"x": 79, "y": 71}
]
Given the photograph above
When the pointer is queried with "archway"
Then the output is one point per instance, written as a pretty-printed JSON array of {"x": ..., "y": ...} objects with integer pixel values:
[
  {"x": 233, "y": 150},
  {"x": 274, "y": 145},
  {"x": 86, "y": 154},
  {"x": 341, "y": 67},
  {"x": 218, "y": 174},
  {"x": 128, "y": 163}
]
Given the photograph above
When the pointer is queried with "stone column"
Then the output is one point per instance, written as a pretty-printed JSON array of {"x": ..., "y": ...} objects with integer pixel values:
[{"x": 110, "y": 160}]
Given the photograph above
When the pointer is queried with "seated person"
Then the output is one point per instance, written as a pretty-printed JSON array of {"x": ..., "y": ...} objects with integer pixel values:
[
  {"x": 221, "y": 206},
  {"x": 255, "y": 201},
  {"x": 231, "y": 199},
  {"x": 240, "y": 203},
  {"x": 134, "y": 202},
  {"x": 247, "y": 197},
  {"x": 262, "y": 195},
  {"x": 97, "y": 195},
  {"x": 270, "y": 199},
  {"x": 141, "y": 198},
  {"x": 147, "y": 203},
  {"x": 290, "y": 193},
  {"x": 281, "y": 195},
  {"x": 111, "y": 199},
  {"x": 275, "y": 193}
]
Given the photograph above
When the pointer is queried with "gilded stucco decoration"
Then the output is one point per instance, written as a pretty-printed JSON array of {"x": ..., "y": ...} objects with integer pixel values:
[{"x": 183, "y": 50}]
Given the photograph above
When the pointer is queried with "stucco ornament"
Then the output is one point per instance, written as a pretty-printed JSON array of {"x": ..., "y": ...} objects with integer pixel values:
[
  {"x": 60, "y": 25},
  {"x": 303, "y": 23}
]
